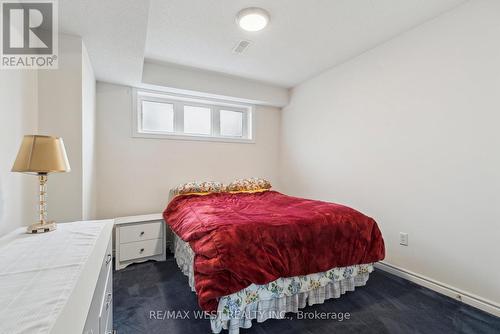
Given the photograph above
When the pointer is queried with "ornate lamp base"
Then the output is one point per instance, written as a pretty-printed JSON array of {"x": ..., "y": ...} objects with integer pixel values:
[{"x": 41, "y": 227}]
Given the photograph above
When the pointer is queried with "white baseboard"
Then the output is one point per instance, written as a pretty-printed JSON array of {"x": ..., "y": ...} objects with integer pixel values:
[{"x": 457, "y": 294}]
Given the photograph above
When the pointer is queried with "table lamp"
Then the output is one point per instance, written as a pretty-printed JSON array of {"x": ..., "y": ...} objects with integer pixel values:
[{"x": 41, "y": 155}]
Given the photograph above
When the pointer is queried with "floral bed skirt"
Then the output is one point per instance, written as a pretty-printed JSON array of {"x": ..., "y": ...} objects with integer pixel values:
[{"x": 275, "y": 299}]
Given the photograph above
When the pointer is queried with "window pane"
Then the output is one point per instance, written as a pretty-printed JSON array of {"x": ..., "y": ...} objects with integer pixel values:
[
  {"x": 197, "y": 120},
  {"x": 231, "y": 123},
  {"x": 157, "y": 117}
]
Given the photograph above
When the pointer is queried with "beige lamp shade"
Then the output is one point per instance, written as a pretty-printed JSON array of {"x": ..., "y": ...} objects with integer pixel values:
[{"x": 41, "y": 155}]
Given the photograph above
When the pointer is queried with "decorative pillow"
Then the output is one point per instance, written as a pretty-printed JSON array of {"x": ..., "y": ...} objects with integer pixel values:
[
  {"x": 198, "y": 188},
  {"x": 251, "y": 184}
]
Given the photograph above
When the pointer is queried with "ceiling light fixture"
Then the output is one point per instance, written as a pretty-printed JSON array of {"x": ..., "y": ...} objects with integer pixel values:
[{"x": 252, "y": 19}]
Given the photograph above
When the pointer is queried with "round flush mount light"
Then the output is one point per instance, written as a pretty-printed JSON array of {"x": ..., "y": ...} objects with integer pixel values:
[{"x": 252, "y": 19}]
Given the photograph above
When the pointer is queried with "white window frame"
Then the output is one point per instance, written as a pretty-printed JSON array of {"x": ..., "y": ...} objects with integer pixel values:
[{"x": 179, "y": 101}]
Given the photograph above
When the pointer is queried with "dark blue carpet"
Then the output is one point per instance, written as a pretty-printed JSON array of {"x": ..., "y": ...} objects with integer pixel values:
[{"x": 387, "y": 304}]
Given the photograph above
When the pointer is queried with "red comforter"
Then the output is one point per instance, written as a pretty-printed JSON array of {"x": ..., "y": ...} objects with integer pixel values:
[{"x": 244, "y": 238}]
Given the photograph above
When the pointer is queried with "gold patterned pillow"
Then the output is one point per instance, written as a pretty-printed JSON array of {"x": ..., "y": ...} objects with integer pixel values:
[
  {"x": 251, "y": 184},
  {"x": 198, "y": 188}
]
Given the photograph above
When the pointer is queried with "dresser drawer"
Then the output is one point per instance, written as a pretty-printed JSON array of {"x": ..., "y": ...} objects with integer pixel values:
[
  {"x": 138, "y": 249},
  {"x": 102, "y": 293},
  {"x": 106, "y": 312},
  {"x": 139, "y": 232}
]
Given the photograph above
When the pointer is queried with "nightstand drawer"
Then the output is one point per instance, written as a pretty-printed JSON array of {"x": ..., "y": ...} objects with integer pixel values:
[
  {"x": 136, "y": 233},
  {"x": 140, "y": 232},
  {"x": 139, "y": 249}
]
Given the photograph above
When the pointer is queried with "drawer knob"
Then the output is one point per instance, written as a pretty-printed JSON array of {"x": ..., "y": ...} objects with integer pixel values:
[
  {"x": 142, "y": 233},
  {"x": 142, "y": 250}
]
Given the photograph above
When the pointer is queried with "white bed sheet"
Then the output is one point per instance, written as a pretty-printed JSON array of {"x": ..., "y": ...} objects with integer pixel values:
[{"x": 38, "y": 273}]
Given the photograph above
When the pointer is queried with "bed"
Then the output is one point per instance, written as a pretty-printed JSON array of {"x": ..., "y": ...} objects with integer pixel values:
[{"x": 251, "y": 253}]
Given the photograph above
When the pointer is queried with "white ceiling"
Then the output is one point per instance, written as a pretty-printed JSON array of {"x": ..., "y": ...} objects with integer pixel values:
[
  {"x": 304, "y": 37},
  {"x": 114, "y": 33}
]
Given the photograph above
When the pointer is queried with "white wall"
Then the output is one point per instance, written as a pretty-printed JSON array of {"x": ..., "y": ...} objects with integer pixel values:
[
  {"x": 135, "y": 174},
  {"x": 89, "y": 174},
  {"x": 18, "y": 116},
  {"x": 184, "y": 79},
  {"x": 408, "y": 133},
  {"x": 66, "y": 107},
  {"x": 60, "y": 114}
]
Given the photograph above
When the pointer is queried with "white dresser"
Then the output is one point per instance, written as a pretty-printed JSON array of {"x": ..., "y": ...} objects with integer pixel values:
[
  {"x": 139, "y": 239},
  {"x": 57, "y": 282}
]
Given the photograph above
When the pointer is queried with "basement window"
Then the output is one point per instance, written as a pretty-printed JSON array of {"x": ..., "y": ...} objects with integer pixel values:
[{"x": 168, "y": 116}]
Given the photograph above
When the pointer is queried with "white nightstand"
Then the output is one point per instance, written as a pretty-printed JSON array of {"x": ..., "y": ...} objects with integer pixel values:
[{"x": 139, "y": 239}]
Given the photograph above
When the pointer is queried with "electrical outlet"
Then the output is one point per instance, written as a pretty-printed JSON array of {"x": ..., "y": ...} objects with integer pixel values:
[{"x": 403, "y": 239}]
